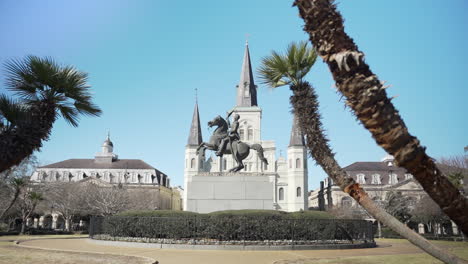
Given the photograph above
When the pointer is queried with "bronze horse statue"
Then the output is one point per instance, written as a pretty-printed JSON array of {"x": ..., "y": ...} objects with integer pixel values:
[{"x": 237, "y": 148}]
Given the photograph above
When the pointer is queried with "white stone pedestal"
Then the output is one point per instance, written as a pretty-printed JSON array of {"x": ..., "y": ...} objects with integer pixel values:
[{"x": 210, "y": 192}]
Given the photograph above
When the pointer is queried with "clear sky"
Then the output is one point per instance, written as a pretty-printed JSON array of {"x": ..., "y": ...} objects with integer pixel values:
[{"x": 145, "y": 58}]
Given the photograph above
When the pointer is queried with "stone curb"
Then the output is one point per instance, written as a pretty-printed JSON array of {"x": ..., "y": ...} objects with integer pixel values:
[
  {"x": 18, "y": 243},
  {"x": 231, "y": 247}
]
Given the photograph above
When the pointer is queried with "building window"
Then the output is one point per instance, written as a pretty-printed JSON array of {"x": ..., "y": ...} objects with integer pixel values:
[
  {"x": 298, "y": 192},
  {"x": 241, "y": 134},
  {"x": 346, "y": 202},
  {"x": 290, "y": 163},
  {"x": 281, "y": 194},
  {"x": 111, "y": 178},
  {"x": 139, "y": 177},
  {"x": 265, "y": 166},
  {"x": 224, "y": 164},
  {"x": 408, "y": 176},
  {"x": 361, "y": 178},
  {"x": 393, "y": 179},
  {"x": 376, "y": 179},
  {"x": 249, "y": 134},
  {"x": 192, "y": 163},
  {"x": 70, "y": 177},
  {"x": 298, "y": 163}
]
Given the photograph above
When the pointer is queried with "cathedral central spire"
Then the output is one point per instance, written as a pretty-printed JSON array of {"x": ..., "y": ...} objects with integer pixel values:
[
  {"x": 246, "y": 90},
  {"x": 195, "y": 134}
]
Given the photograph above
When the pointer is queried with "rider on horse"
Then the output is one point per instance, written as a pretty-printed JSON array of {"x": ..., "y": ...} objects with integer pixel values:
[{"x": 232, "y": 136}]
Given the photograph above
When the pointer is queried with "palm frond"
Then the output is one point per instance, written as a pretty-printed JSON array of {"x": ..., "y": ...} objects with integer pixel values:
[
  {"x": 35, "y": 79},
  {"x": 277, "y": 69},
  {"x": 69, "y": 113},
  {"x": 11, "y": 110}
]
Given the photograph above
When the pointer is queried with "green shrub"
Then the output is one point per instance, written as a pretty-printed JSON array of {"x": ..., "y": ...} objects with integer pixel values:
[
  {"x": 249, "y": 225},
  {"x": 158, "y": 213}
]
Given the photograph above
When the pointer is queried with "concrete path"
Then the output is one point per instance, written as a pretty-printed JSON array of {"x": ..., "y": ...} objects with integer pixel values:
[{"x": 177, "y": 256}]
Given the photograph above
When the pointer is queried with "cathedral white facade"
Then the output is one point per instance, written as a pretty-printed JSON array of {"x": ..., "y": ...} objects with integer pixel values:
[{"x": 279, "y": 185}]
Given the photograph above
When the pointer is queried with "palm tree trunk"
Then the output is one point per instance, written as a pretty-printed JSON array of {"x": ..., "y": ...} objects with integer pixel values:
[
  {"x": 305, "y": 107},
  {"x": 19, "y": 141},
  {"x": 366, "y": 96}
]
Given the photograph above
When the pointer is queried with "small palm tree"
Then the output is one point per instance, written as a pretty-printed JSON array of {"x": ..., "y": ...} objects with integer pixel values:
[
  {"x": 289, "y": 69},
  {"x": 17, "y": 184},
  {"x": 45, "y": 90}
]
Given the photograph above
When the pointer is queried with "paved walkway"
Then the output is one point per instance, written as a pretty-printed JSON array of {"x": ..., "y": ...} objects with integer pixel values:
[{"x": 177, "y": 256}]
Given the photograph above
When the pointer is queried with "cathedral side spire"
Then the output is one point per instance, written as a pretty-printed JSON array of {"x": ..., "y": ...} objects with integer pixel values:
[
  {"x": 195, "y": 134},
  {"x": 246, "y": 90},
  {"x": 297, "y": 138}
]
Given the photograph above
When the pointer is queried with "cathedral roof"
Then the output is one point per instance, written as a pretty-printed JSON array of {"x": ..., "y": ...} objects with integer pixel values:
[
  {"x": 297, "y": 138},
  {"x": 133, "y": 164},
  {"x": 195, "y": 134},
  {"x": 246, "y": 90}
]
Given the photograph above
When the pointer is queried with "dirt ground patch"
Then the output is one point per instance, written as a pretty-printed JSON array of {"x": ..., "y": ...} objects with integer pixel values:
[{"x": 10, "y": 253}]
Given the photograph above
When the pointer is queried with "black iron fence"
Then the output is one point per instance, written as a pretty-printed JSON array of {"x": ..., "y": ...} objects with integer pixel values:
[{"x": 233, "y": 228}]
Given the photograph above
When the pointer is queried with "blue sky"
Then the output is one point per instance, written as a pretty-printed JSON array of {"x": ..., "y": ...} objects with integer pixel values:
[{"x": 145, "y": 58}]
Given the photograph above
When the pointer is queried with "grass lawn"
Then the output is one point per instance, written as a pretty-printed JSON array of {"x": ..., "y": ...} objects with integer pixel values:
[
  {"x": 458, "y": 248},
  {"x": 10, "y": 253}
]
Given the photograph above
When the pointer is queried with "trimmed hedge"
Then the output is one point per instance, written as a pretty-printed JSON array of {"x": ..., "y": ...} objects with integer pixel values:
[{"x": 246, "y": 225}]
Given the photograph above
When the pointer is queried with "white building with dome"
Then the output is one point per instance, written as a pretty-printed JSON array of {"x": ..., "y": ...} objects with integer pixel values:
[{"x": 280, "y": 185}]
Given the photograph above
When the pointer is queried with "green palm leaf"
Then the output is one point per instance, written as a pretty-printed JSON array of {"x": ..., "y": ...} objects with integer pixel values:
[
  {"x": 35, "y": 80},
  {"x": 289, "y": 68}
]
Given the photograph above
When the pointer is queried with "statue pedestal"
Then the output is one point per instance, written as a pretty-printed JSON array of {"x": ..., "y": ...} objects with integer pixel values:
[{"x": 218, "y": 191}]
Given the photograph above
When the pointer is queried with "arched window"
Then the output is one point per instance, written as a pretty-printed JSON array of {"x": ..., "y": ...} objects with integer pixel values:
[
  {"x": 346, "y": 201},
  {"x": 281, "y": 194},
  {"x": 361, "y": 178},
  {"x": 298, "y": 163},
  {"x": 241, "y": 133},
  {"x": 192, "y": 163},
  {"x": 298, "y": 192},
  {"x": 249, "y": 133},
  {"x": 408, "y": 176},
  {"x": 139, "y": 177},
  {"x": 111, "y": 178},
  {"x": 70, "y": 177},
  {"x": 393, "y": 179},
  {"x": 224, "y": 164},
  {"x": 376, "y": 179}
]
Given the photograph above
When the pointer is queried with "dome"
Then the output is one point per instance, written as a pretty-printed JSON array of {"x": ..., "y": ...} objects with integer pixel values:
[{"x": 107, "y": 143}]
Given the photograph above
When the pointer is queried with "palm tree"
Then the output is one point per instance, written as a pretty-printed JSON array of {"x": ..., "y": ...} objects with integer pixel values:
[
  {"x": 45, "y": 90},
  {"x": 365, "y": 94},
  {"x": 17, "y": 184},
  {"x": 290, "y": 69}
]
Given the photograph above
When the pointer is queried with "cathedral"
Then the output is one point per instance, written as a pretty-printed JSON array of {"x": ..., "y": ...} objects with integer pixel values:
[{"x": 280, "y": 184}]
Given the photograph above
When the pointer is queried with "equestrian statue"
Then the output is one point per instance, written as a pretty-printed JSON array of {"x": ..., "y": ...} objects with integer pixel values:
[{"x": 226, "y": 140}]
